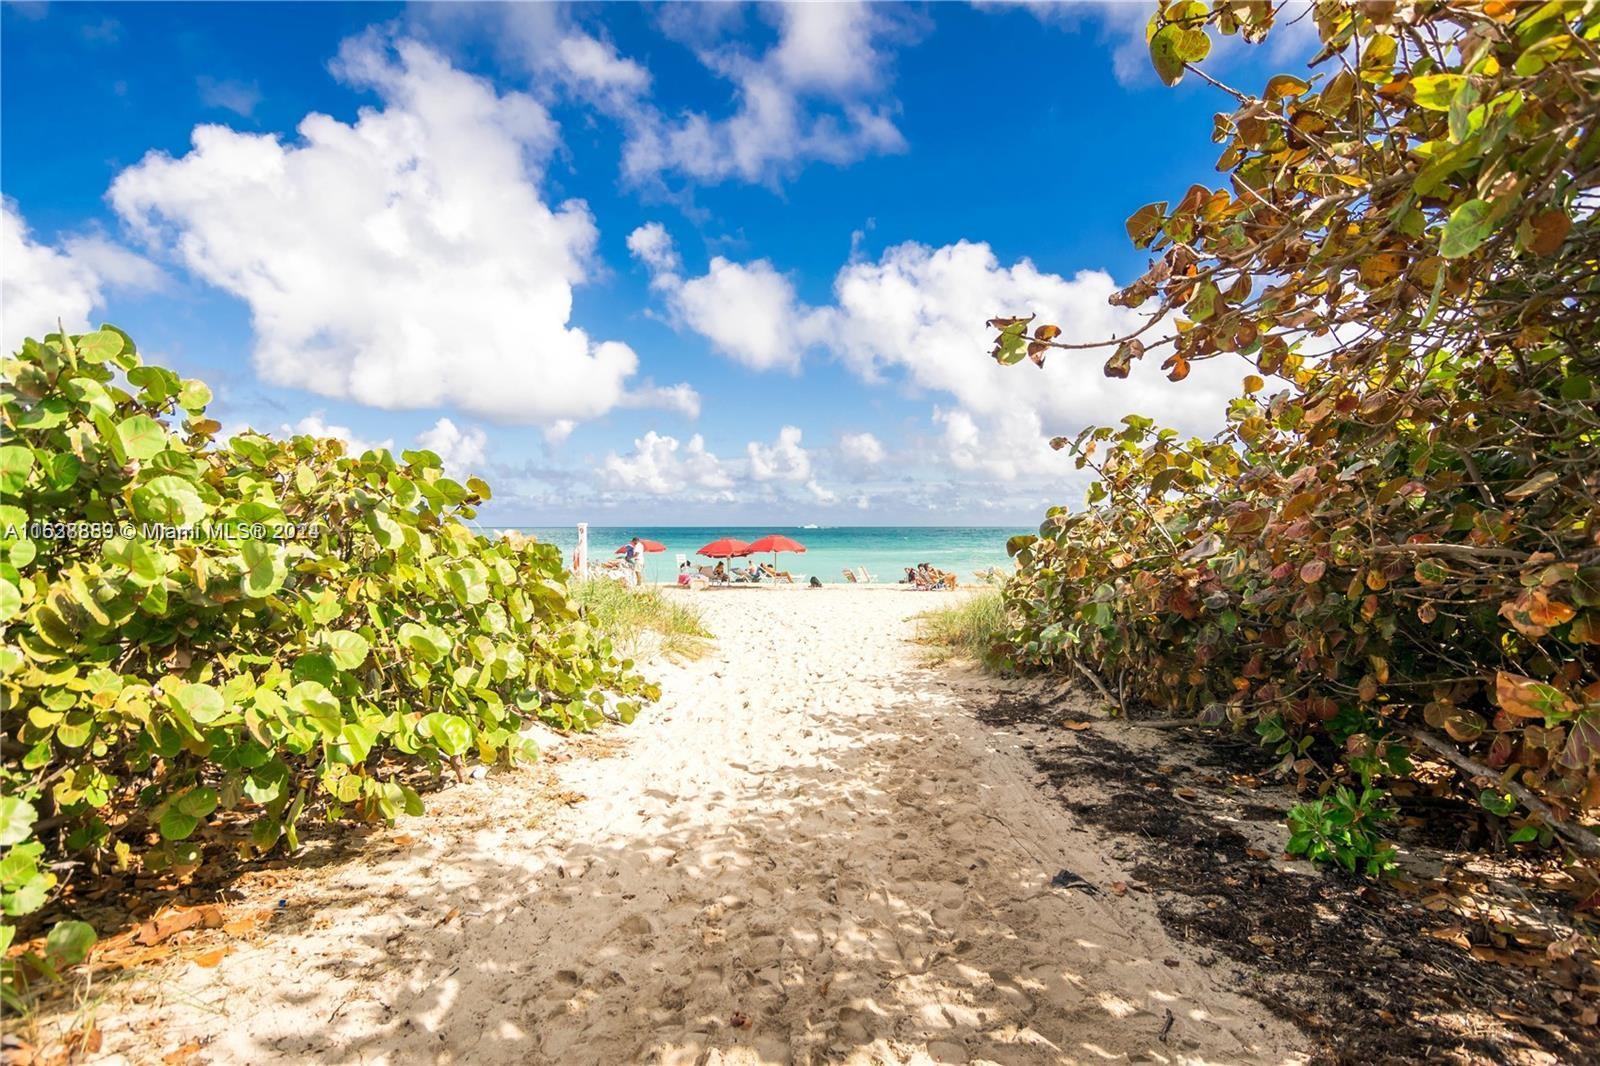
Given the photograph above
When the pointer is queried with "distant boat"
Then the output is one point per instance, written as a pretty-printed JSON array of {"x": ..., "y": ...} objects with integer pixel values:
[{"x": 810, "y": 525}]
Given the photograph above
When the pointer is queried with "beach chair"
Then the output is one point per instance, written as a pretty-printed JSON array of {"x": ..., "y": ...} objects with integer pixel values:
[
  {"x": 849, "y": 577},
  {"x": 863, "y": 577}
]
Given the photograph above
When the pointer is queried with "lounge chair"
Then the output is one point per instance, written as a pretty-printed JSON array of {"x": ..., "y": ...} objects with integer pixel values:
[
  {"x": 863, "y": 577},
  {"x": 772, "y": 573},
  {"x": 849, "y": 577}
]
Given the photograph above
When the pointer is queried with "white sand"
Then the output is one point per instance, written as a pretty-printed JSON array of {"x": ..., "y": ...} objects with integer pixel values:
[{"x": 810, "y": 852}]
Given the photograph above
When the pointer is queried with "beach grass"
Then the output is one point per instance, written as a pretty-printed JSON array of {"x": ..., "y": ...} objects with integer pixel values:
[
  {"x": 642, "y": 620},
  {"x": 967, "y": 629}
]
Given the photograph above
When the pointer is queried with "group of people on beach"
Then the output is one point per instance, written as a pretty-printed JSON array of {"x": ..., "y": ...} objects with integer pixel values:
[
  {"x": 928, "y": 576},
  {"x": 720, "y": 574}
]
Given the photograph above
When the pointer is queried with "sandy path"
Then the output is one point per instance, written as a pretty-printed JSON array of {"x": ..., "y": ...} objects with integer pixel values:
[{"x": 809, "y": 853}]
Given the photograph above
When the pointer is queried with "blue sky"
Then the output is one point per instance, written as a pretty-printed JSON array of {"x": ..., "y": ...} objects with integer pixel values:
[{"x": 657, "y": 264}]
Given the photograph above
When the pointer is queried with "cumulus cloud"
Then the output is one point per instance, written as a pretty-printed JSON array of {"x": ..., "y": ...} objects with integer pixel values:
[
  {"x": 652, "y": 245},
  {"x": 862, "y": 451},
  {"x": 916, "y": 317},
  {"x": 460, "y": 448},
  {"x": 817, "y": 94},
  {"x": 919, "y": 312},
  {"x": 782, "y": 460},
  {"x": 405, "y": 260},
  {"x": 545, "y": 41},
  {"x": 41, "y": 284},
  {"x": 680, "y": 398},
  {"x": 660, "y": 465},
  {"x": 748, "y": 311}
]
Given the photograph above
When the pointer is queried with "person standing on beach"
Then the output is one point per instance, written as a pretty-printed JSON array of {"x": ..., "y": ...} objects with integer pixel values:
[{"x": 634, "y": 555}]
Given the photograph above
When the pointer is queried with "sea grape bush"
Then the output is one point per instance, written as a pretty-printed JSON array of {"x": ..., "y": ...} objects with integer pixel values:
[
  {"x": 247, "y": 630},
  {"x": 1394, "y": 544}
]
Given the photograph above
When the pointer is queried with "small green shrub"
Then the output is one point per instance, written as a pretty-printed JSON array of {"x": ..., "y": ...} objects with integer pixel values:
[
  {"x": 1341, "y": 827},
  {"x": 973, "y": 627},
  {"x": 631, "y": 617}
]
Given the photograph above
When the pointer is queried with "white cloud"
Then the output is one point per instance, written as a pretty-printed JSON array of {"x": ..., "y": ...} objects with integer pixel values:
[
  {"x": 680, "y": 398},
  {"x": 546, "y": 42},
  {"x": 817, "y": 94},
  {"x": 461, "y": 449},
  {"x": 406, "y": 260},
  {"x": 918, "y": 313},
  {"x": 820, "y": 494},
  {"x": 749, "y": 311},
  {"x": 916, "y": 316},
  {"x": 652, "y": 245},
  {"x": 861, "y": 450},
  {"x": 41, "y": 285},
  {"x": 316, "y": 425},
  {"x": 235, "y": 96},
  {"x": 660, "y": 466},
  {"x": 783, "y": 460}
]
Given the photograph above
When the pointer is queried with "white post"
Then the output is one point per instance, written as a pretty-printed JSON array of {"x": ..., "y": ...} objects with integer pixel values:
[{"x": 582, "y": 569}]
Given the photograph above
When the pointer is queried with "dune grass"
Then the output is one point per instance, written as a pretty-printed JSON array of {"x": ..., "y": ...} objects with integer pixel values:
[
  {"x": 967, "y": 629},
  {"x": 642, "y": 620}
]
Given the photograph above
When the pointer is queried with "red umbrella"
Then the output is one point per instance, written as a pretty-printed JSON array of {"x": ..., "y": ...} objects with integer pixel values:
[
  {"x": 725, "y": 548},
  {"x": 775, "y": 543},
  {"x": 648, "y": 545}
]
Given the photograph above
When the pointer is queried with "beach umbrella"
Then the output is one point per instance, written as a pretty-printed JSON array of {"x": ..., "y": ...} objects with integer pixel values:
[
  {"x": 648, "y": 545},
  {"x": 775, "y": 543},
  {"x": 725, "y": 548}
]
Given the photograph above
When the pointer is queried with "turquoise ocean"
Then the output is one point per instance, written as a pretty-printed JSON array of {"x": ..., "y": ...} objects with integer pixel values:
[{"x": 884, "y": 550}]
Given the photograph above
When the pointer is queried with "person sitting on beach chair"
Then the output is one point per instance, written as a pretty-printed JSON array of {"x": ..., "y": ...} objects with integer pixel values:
[
  {"x": 749, "y": 575},
  {"x": 772, "y": 573},
  {"x": 849, "y": 577}
]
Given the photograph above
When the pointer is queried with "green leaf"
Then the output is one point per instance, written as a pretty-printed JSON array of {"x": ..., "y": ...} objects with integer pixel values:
[
  {"x": 313, "y": 700},
  {"x": 69, "y": 943},
  {"x": 103, "y": 345},
  {"x": 175, "y": 825},
  {"x": 16, "y": 820},
  {"x": 16, "y": 462},
  {"x": 1165, "y": 49},
  {"x": 141, "y": 437},
  {"x": 202, "y": 703},
  {"x": 1501, "y": 803},
  {"x": 169, "y": 500},
  {"x": 266, "y": 568},
  {"x": 451, "y": 733},
  {"x": 348, "y": 649},
  {"x": 10, "y": 599},
  {"x": 1435, "y": 91},
  {"x": 1467, "y": 229},
  {"x": 194, "y": 396},
  {"x": 198, "y": 802}
]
